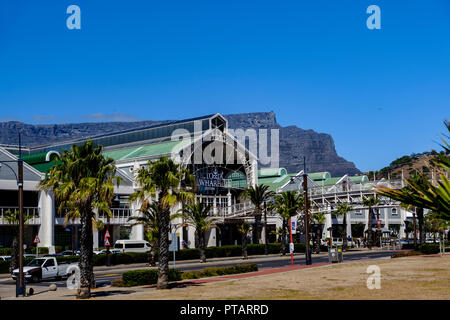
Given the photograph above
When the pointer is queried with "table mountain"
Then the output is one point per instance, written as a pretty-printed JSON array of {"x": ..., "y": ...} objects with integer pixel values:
[{"x": 295, "y": 142}]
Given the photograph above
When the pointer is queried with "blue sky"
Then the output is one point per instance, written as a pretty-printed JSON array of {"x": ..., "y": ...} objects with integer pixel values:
[{"x": 381, "y": 94}]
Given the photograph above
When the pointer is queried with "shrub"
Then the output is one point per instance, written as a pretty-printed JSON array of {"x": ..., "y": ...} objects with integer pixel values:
[
  {"x": 215, "y": 271},
  {"x": 5, "y": 251},
  {"x": 145, "y": 277},
  {"x": 429, "y": 248},
  {"x": 407, "y": 254}
]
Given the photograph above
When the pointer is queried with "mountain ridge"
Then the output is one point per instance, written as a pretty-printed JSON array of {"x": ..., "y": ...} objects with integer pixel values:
[{"x": 318, "y": 148}]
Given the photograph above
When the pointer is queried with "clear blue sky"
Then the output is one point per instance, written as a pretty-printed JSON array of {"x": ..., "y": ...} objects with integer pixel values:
[{"x": 380, "y": 93}]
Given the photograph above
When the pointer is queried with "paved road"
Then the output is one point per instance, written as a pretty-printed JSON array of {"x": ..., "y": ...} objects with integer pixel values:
[{"x": 104, "y": 275}]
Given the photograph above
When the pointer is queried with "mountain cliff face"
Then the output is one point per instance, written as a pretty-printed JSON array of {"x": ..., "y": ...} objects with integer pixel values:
[{"x": 318, "y": 148}]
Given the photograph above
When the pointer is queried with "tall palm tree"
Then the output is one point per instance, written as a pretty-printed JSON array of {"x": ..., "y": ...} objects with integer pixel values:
[
  {"x": 245, "y": 229},
  {"x": 12, "y": 218},
  {"x": 421, "y": 193},
  {"x": 150, "y": 220},
  {"x": 370, "y": 202},
  {"x": 342, "y": 210},
  {"x": 83, "y": 180},
  {"x": 197, "y": 215},
  {"x": 257, "y": 195},
  {"x": 319, "y": 217},
  {"x": 286, "y": 204},
  {"x": 165, "y": 182}
]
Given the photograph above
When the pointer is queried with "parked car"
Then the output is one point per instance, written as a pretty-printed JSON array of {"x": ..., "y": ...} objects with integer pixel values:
[
  {"x": 5, "y": 258},
  {"x": 115, "y": 251},
  {"x": 132, "y": 245},
  {"x": 67, "y": 253},
  {"x": 431, "y": 240},
  {"x": 44, "y": 268},
  {"x": 337, "y": 241},
  {"x": 29, "y": 255}
]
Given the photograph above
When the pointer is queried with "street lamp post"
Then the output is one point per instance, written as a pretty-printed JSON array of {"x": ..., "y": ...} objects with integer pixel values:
[
  {"x": 306, "y": 204},
  {"x": 20, "y": 289}
]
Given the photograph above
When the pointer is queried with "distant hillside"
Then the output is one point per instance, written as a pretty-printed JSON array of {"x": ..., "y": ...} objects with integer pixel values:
[
  {"x": 295, "y": 142},
  {"x": 416, "y": 162}
]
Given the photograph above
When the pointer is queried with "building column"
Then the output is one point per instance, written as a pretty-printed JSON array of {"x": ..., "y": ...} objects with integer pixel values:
[
  {"x": 211, "y": 237},
  {"x": 47, "y": 214},
  {"x": 328, "y": 223},
  {"x": 349, "y": 225},
  {"x": 137, "y": 230},
  {"x": 95, "y": 238}
]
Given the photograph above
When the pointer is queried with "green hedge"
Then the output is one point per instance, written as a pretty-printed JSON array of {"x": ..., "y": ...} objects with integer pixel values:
[
  {"x": 5, "y": 251},
  {"x": 213, "y": 271},
  {"x": 145, "y": 277},
  {"x": 429, "y": 248}
]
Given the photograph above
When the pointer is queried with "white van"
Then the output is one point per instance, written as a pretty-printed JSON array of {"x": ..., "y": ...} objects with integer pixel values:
[{"x": 132, "y": 246}]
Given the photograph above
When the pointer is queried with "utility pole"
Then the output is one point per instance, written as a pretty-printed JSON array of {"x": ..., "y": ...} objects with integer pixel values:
[
  {"x": 306, "y": 205},
  {"x": 21, "y": 289}
]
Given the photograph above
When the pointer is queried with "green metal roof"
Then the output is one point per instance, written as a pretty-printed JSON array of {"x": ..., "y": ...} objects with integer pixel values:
[
  {"x": 359, "y": 179},
  {"x": 328, "y": 182},
  {"x": 146, "y": 151},
  {"x": 37, "y": 157},
  {"x": 271, "y": 172},
  {"x": 44, "y": 167},
  {"x": 319, "y": 175},
  {"x": 275, "y": 182}
]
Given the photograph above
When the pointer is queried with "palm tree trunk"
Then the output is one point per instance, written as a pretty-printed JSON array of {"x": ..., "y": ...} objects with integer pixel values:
[
  {"x": 244, "y": 246},
  {"x": 14, "y": 252},
  {"x": 86, "y": 260},
  {"x": 257, "y": 228},
  {"x": 283, "y": 237},
  {"x": 415, "y": 229},
  {"x": 369, "y": 229},
  {"x": 201, "y": 242},
  {"x": 421, "y": 225},
  {"x": 318, "y": 238},
  {"x": 344, "y": 241},
  {"x": 163, "y": 257}
]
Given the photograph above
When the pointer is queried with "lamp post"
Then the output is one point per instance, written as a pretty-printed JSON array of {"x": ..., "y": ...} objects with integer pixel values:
[{"x": 20, "y": 289}]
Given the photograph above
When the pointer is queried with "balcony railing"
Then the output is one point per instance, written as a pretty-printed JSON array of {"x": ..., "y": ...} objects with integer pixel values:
[{"x": 27, "y": 211}]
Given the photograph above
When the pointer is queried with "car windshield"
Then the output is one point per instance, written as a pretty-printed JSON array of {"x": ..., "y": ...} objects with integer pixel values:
[{"x": 36, "y": 262}]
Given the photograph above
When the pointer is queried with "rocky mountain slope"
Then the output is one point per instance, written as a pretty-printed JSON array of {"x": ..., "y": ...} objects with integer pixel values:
[{"x": 295, "y": 142}]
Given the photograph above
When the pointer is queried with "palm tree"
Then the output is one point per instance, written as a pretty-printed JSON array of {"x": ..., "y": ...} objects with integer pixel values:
[
  {"x": 168, "y": 183},
  {"x": 286, "y": 205},
  {"x": 319, "y": 217},
  {"x": 197, "y": 215},
  {"x": 245, "y": 229},
  {"x": 83, "y": 180},
  {"x": 12, "y": 218},
  {"x": 150, "y": 220},
  {"x": 370, "y": 202},
  {"x": 342, "y": 210},
  {"x": 257, "y": 195},
  {"x": 421, "y": 193}
]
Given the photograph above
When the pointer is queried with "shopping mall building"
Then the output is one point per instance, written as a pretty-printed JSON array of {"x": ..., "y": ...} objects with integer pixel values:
[{"x": 223, "y": 167}]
